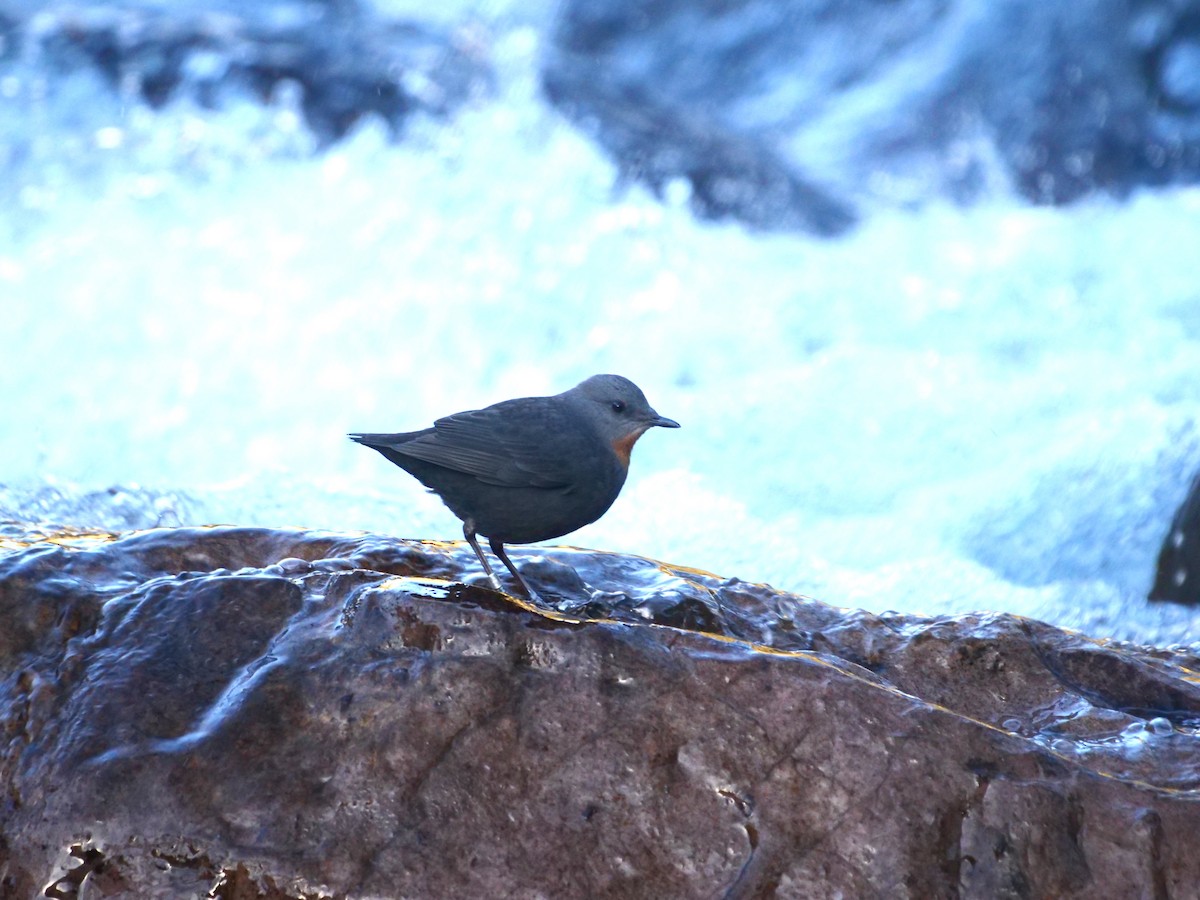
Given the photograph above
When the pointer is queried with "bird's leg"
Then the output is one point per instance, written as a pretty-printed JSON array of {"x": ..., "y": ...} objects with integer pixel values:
[
  {"x": 469, "y": 534},
  {"x": 498, "y": 549}
]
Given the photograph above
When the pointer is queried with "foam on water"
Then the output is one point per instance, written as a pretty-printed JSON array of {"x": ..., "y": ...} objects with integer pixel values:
[{"x": 947, "y": 410}]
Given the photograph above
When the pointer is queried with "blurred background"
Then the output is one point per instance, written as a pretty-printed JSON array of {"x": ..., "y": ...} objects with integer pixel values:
[{"x": 920, "y": 279}]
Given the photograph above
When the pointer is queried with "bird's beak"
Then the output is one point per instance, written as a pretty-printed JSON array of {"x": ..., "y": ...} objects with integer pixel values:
[{"x": 662, "y": 422}]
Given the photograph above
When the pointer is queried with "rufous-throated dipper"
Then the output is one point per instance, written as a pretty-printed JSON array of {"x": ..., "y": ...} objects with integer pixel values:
[{"x": 530, "y": 469}]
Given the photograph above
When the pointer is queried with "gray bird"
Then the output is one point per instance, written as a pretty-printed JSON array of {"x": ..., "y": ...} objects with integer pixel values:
[{"x": 530, "y": 469}]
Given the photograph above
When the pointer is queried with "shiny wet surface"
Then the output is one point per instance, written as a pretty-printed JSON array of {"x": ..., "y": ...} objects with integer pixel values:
[
  {"x": 356, "y": 715},
  {"x": 1120, "y": 711}
]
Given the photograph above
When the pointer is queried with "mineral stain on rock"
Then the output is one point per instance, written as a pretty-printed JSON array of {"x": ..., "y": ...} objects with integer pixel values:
[{"x": 273, "y": 713}]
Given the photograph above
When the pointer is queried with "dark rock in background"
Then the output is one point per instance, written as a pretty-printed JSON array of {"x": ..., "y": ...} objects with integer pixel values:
[
  {"x": 730, "y": 174},
  {"x": 897, "y": 101},
  {"x": 1177, "y": 575},
  {"x": 791, "y": 114},
  {"x": 347, "y": 62},
  {"x": 249, "y": 712}
]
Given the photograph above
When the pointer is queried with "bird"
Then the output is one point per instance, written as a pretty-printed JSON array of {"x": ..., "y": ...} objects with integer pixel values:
[{"x": 528, "y": 469}]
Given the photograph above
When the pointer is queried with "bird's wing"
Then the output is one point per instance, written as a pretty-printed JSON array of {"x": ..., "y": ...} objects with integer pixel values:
[{"x": 511, "y": 445}]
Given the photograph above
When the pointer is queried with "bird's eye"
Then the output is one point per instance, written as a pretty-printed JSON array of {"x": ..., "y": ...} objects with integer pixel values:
[{"x": 618, "y": 405}]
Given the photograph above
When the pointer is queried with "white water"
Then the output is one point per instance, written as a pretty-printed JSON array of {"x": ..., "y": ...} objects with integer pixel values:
[{"x": 946, "y": 411}]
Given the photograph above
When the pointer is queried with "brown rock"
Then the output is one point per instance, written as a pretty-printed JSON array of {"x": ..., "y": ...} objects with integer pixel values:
[{"x": 256, "y": 713}]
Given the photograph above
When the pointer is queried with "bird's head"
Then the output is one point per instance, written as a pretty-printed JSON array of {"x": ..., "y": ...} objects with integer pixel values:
[{"x": 619, "y": 410}]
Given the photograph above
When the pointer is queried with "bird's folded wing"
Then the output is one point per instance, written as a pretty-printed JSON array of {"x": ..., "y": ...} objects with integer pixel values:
[{"x": 494, "y": 445}]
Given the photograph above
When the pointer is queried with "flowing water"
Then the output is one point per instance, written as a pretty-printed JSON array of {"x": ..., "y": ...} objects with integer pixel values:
[{"x": 947, "y": 410}]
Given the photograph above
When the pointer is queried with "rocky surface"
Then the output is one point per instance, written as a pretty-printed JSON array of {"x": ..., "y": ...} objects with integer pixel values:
[
  {"x": 898, "y": 101},
  {"x": 263, "y": 713}
]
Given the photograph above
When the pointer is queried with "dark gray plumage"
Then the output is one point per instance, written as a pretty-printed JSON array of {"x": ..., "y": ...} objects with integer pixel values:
[{"x": 529, "y": 469}]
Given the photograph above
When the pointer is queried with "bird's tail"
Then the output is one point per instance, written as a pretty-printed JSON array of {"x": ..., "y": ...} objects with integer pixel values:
[
  {"x": 390, "y": 445},
  {"x": 379, "y": 441}
]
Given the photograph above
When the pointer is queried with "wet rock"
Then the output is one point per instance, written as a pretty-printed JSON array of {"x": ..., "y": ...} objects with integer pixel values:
[
  {"x": 347, "y": 61},
  {"x": 272, "y": 713},
  {"x": 800, "y": 110},
  {"x": 1177, "y": 575}
]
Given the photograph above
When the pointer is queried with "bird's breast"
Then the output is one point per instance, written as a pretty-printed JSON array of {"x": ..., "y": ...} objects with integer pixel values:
[{"x": 623, "y": 446}]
